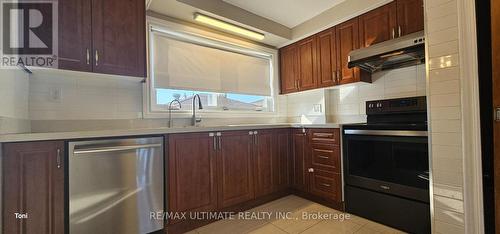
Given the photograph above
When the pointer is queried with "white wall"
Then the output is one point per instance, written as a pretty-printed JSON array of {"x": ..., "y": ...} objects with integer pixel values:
[
  {"x": 445, "y": 109},
  {"x": 14, "y": 89},
  {"x": 300, "y": 107},
  {"x": 83, "y": 96}
]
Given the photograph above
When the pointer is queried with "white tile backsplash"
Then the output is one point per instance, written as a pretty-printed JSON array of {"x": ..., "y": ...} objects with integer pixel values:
[
  {"x": 349, "y": 102},
  {"x": 83, "y": 97}
]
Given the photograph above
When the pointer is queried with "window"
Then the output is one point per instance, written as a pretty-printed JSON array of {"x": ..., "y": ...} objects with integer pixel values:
[{"x": 227, "y": 77}]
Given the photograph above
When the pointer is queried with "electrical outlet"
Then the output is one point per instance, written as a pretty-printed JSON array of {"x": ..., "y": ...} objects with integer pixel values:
[
  {"x": 317, "y": 108},
  {"x": 55, "y": 94}
]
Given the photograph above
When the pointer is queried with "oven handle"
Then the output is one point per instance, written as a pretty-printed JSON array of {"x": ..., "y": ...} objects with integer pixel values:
[{"x": 387, "y": 133}]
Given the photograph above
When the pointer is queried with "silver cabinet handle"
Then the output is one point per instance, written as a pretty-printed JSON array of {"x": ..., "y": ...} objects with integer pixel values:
[
  {"x": 310, "y": 170},
  {"x": 58, "y": 158},
  {"x": 256, "y": 138},
  {"x": 88, "y": 56},
  {"x": 326, "y": 185},
  {"x": 214, "y": 140},
  {"x": 393, "y": 33},
  {"x": 338, "y": 76},
  {"x": 219, "y": 141},
  {"x": 96, "y": 58},
  {"x": 399, "y": 31},
  {"x": 325, "y": 157}
]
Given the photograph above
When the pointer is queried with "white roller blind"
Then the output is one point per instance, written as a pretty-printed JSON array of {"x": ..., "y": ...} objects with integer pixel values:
[{"x": 183, "y": 65}]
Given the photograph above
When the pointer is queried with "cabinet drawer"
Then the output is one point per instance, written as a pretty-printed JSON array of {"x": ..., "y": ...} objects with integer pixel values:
[
  {"x": 326, "y": 185},
  {"x": 328, "y": 136},
  {"x": 328, "y": 158}
]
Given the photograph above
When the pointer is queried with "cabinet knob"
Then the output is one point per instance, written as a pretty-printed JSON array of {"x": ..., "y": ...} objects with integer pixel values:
[{"x": 310, "y": 170}]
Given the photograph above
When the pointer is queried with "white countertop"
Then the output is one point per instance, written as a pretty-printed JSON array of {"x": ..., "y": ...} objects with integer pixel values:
[{"x": 20, "y": 137}]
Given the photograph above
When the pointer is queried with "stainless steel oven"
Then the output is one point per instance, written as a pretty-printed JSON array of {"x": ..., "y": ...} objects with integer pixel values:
[
  {"x": 389, "y": 161},
  {"x": 386, "y": 165}
]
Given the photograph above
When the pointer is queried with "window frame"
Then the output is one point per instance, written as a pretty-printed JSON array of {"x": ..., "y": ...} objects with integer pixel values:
[{"x": 149, "y": 96}]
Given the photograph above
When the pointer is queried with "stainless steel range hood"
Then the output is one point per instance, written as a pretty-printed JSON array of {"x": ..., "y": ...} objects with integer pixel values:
[{"x": 400, "y": 52}]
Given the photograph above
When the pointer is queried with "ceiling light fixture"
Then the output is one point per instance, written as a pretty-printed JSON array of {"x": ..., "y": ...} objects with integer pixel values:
[{"x": 227, "y": 26}]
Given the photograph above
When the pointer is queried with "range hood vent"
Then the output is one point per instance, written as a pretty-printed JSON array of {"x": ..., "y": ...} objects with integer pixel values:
[{"x": 396, "y": 53}]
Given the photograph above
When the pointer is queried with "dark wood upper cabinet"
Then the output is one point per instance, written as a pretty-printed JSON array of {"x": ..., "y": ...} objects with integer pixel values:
[
  {"x": 235, "y": 169},
  {"x": 191, "y": 173},
  {"x": 347, "y": 41},
  {"x": 264, "y": 151},
  {"x": 299, "y": 155},
  {"x": 378, "y": 25},
  {"x": 75, "y": 37},
  {"x": 33, "y": 184},
  {"x": 410, "y": 16},
  {"x": 119, "y": 34},
  {"x": 327, "y": 58},
  {"x": 103, "y": 36},
  {"x": 307, "y": 64},
  {"x": 289, "y": 69}
]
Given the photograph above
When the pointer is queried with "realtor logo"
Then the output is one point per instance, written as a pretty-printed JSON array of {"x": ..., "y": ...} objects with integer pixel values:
[{"x": 29, "y": 33}]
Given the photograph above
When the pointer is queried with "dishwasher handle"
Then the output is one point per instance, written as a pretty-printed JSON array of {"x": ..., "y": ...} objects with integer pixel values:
[{"x": 91, "y": 150}]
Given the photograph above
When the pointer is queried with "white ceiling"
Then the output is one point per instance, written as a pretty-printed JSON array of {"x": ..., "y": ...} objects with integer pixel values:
[{"x": 289, "y": 13}]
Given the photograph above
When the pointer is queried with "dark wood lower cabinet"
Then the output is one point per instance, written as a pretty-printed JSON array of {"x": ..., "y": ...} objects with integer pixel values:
[
  {"x": 191, "y": 174},
  {"x": 235, "y": 168},
  {"x": 264, "y": 152},
  {"x": 33, "y": 185},
  {"x": 281, "y": 160},
  {"x": 299, "y": 156}
]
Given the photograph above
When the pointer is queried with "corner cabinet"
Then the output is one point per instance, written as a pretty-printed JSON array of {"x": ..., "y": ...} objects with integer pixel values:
[
  {"x": 321, "y": 60},
  {"x": 103, "y": 36},
  {"x": 33, "y": 187}
]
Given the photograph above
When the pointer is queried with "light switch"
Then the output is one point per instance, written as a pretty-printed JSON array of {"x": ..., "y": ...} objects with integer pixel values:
[
  {"x": 317, "y": 108},
  {"x": 55, "y": 94}
]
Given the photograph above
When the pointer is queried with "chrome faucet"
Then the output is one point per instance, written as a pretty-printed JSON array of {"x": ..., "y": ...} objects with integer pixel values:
[
  {"x": 195, "y": 120},
  {"x": 170, "y": 121}
]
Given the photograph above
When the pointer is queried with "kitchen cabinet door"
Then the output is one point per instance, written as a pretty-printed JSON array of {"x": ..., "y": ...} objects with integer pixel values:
[
  {"x": 281, "y": 159},
  {"x": 119, "y": 37},
  {"x": 289, "y": 69},
  {"x": 378, "y": 25},
  {"x": 264, "y": 142},
  {"x": 307, "y": 64},
  {"x": 235, "y": 168},
  {"x": 327, "y": 58},
  {"x": 410, "y": 16},
  {"x": 347, "y": 41},
  {"x": 33, "y": 184},
  {"x": 191, "y": 168},
  {"x": 75, "y": 37},
  {"x": 299, "y": 154}
]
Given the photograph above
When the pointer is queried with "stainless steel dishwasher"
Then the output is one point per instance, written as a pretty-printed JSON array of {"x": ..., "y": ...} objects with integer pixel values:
[{"x": 114, "y": 185}]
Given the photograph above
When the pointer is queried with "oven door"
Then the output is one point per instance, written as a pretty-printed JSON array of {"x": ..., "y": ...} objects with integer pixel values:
[{"x": 394, "y": 162}]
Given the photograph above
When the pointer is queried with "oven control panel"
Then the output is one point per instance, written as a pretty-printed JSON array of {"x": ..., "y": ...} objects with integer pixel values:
[{"x": 400, "y": 105}]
